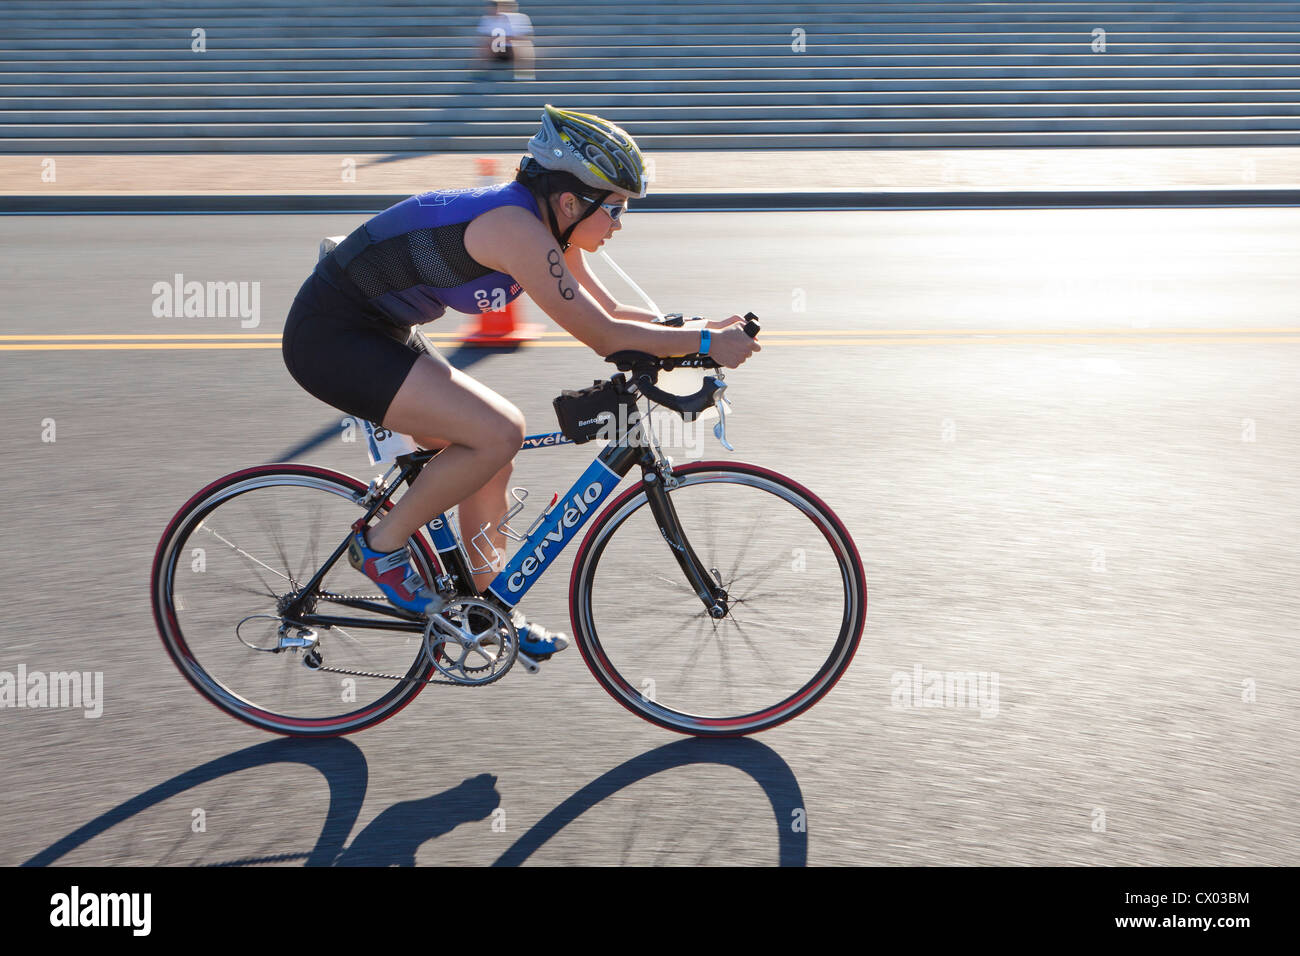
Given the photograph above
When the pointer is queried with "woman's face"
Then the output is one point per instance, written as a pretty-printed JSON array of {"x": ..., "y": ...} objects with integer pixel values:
[{"x": 596, "y": 228}]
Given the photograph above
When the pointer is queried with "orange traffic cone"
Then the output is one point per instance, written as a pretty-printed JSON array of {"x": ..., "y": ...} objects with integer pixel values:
[{"x": 502, "y": 327}]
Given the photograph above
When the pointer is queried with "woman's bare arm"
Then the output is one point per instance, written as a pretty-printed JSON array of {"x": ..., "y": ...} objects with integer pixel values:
[
  {"x": 512, "y": 240},
  {"x": 577, "y": 263}
]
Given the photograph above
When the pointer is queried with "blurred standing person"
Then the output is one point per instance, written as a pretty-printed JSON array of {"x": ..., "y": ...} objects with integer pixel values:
[{"x": 506, "y": 37}]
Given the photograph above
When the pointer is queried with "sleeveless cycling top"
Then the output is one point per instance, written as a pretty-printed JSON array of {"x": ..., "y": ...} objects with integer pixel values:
[{"x": 409, "y": 262}]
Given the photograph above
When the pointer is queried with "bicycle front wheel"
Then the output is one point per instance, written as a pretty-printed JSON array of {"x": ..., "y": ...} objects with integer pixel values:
[
  {"x": 231, "y": 563},
  {"x": 796, "y": 599}
]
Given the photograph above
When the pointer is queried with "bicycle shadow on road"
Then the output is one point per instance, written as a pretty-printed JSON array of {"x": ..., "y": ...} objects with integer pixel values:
[
  {"x": 749, "y": 756},
  {"x": 392, "y": 838}
]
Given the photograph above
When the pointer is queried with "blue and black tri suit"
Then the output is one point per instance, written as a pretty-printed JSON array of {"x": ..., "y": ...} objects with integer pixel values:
[{"x": 348, "y": 337}]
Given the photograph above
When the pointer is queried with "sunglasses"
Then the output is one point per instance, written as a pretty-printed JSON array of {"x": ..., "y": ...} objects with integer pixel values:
[{"x": 613, "y": 210}]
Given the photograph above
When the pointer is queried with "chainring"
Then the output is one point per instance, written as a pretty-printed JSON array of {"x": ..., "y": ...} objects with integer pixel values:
[{"x": 471, "y": 642}]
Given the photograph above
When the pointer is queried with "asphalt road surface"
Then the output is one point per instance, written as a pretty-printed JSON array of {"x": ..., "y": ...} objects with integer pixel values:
[{"x": 1065, "y": 442}]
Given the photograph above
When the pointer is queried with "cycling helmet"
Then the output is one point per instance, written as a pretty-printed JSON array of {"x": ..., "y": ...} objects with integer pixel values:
[
  {"x": 595, "y": 150},
  {"x": 581, "y": 153}
]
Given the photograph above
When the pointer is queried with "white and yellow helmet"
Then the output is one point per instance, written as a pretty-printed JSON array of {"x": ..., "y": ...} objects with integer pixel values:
[{"x": 594, "y": 150}]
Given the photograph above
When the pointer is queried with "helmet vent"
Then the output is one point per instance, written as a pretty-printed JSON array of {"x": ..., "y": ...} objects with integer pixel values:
[{"x": 601, "y": 161}]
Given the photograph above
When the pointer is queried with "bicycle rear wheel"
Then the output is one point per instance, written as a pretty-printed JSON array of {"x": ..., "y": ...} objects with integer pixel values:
[
  {"x": 226, "y": 569},
  {"x": 796, "y": 602}
]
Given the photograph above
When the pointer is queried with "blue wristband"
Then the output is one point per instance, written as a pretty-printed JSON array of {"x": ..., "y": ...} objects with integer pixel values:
[{"x": 704, "y": 341}]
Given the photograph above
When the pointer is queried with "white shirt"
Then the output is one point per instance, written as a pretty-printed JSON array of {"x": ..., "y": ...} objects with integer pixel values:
[{"x": 510, "y": 24}]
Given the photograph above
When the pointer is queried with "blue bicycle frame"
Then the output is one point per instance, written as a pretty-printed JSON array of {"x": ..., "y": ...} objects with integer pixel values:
[{"x": 561, "y": 523}]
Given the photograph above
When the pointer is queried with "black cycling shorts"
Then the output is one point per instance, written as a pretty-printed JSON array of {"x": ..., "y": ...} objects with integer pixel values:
[{"x": 345, "y": 356}]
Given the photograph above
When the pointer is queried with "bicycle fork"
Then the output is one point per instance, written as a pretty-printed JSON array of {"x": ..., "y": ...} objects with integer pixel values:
[{"x": 705, "y": 582}]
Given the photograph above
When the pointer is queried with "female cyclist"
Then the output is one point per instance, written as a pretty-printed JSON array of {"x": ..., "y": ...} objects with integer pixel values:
[{"x": 348, "y": 338}]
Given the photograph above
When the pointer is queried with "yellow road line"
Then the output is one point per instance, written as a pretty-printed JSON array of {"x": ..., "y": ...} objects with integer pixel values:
[
  {"x": 809, "y": 338},
  {"x": 131, "y": 346},
  {"x": 453, "y": 338},
  {"x": 1018, "y": 340},
  {"x": 122, "y": 337},
  {"x": 891, "y": 333}
]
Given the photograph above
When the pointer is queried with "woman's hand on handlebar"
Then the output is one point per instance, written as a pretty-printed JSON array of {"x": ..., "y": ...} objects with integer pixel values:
[{"x": 730, "y": 345}]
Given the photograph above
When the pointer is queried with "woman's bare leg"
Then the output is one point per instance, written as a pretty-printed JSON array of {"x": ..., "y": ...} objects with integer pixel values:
[
  {"x": 486, "y": 506},
  {"x": 482, "y": 432}
]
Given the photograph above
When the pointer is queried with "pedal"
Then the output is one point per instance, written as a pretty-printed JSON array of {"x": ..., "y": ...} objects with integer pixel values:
[{"x": 530, "y": 665}]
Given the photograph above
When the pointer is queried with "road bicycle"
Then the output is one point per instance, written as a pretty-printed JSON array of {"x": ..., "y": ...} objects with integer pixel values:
[{"x": 713, "y": 598}]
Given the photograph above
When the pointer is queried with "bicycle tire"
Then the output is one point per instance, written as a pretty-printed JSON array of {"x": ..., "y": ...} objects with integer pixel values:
[
  {"x": 628, "y": 625},
  {"x": 276, "y": 691}
]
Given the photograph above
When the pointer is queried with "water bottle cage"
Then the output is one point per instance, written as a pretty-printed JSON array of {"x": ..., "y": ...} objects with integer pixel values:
[{"x": 520, "y": 495}]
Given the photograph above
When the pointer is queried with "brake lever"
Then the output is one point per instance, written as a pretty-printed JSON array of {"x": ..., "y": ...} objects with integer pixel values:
[
  {"x": 720, "y": 429},
  {"x": 752, "y": 328}
]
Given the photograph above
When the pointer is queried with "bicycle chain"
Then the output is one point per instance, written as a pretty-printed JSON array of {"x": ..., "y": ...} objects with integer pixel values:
[
  {"x": 355, "y": 597},
  {"x": 392, "y": 677},
  {"x": 402, "y": 680}
]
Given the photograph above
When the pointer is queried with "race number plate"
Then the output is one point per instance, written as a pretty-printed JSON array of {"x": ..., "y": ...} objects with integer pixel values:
[{"x": 384, "y": 445}]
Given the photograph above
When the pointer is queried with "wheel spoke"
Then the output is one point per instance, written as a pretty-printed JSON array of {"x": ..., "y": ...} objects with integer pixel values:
[
  {"x": 724, "y": 666},
  {"x": 754, "y": 572},
  {"x": 679, "y": 583},
  {"x": 240, "y": 586},
  {"x": 745, "y": 637},
  {"x": 311, "y": 559},
  {"x": 697, "y": 645},
  {"x": 240, "y": 551},
  {"x": 711, "y": 544},
  {"x": 746, "y": 541},
  {"x": 272, "y": 524},
  {"x": 360, "y": 648}
]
